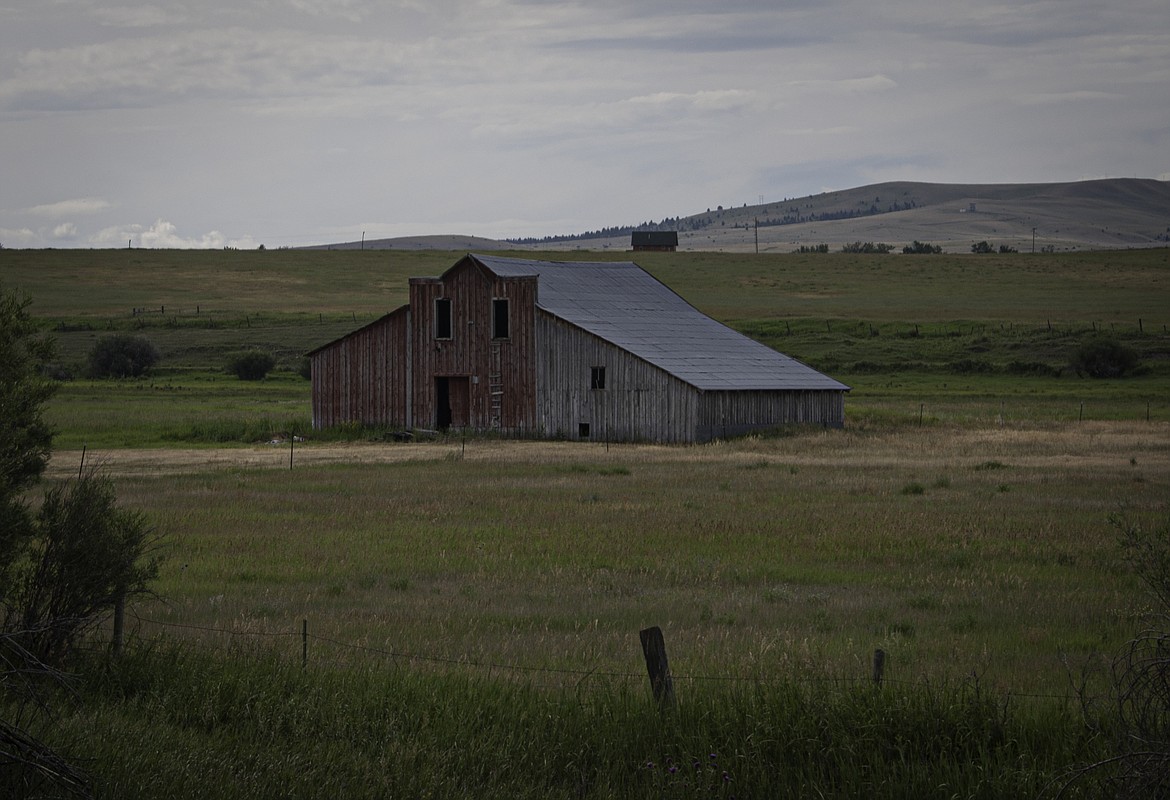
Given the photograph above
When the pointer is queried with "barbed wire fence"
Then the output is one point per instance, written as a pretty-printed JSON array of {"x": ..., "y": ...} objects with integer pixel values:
[{"x": 661, "y": 680}]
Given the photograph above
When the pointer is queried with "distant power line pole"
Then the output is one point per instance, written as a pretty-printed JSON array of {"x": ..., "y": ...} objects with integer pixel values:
[
  {"x": 1033, "y": 239},
  {"x": 757, "y": 235},
  {"x": 363, "y": 240}
]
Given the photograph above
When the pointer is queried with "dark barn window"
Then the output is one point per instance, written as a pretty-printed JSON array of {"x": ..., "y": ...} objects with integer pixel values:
[
  {"x": 500, "y": 319},
  {"x": 442, "y": 318},
  {"x": 583, "y": 430},
  {"x": 597, "y": 378}
]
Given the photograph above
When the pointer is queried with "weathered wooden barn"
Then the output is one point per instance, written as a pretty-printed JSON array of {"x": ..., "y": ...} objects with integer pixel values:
[
  {"x": 574, "y": 350},
  {"x": 661, "y": 241}
]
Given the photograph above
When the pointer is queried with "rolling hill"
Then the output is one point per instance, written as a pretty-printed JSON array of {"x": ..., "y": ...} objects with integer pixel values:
[{"x": 1083, "y": 215}]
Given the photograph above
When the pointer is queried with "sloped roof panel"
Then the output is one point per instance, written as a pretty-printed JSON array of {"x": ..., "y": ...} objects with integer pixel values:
[{"x": 625, "y": 305}]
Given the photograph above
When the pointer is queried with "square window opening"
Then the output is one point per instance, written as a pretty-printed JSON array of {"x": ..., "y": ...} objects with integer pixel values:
[
  {"x": 597, "y": 378},
  {"x": 583, "y": 430}
]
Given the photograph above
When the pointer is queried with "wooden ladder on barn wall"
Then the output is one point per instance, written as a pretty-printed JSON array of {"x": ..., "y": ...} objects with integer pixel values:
[{"x": 496, "y": 386}]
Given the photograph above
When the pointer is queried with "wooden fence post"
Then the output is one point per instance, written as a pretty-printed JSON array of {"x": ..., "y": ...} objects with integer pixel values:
[
  {"x": 654, "y": 649},
  {"x": 304, "y": 643},
  {"x": 879, "y": 667}
]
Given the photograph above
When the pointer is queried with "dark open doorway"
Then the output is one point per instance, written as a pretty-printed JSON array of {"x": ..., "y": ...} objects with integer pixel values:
[{"x": 452, "y": 402}]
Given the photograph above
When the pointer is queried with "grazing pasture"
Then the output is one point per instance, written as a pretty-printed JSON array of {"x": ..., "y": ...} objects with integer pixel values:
[{"x": 960, "y": 522}]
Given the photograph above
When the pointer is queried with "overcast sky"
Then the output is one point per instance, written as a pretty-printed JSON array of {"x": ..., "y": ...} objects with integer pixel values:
[{"x": 211, "y": 123}]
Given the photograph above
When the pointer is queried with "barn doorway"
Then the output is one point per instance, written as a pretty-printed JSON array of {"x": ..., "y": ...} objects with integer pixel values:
[{"x": 452, "y": 402}]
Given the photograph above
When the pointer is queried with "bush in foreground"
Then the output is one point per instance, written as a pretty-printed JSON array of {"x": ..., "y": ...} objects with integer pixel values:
[{"x": 61, "y": 570}]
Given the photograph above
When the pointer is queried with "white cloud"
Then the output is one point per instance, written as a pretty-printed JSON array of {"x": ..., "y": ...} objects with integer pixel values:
[
  {"x": 66, "y": 230},
  {"x": 69, "y": 208},
  {"x": 18, "y": 237},
  {"x": 717, "y": 100},
  {"x": 162, "y": 234}
]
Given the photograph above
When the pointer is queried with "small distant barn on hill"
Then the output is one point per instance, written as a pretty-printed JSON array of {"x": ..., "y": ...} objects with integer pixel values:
[
  {"x": 571, "y": 350},
  {"x": 662, "y": 241}
]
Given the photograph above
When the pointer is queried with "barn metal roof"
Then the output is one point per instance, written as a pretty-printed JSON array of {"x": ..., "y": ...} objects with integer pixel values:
[{"x": 625, "y": 305}]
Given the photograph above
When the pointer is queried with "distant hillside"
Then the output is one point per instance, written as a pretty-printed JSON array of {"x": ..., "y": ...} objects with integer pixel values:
[
  {"x": 1097, "y": 214},
  {"x": 455, "y": 242}
]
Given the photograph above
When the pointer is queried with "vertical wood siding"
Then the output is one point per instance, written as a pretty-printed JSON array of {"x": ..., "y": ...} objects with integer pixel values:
[
  {"x": 723, "y": 414},
  {"x": 640, "y": 402},
  {"x": 363, "y": 376},
  {"x": 535, "y": 382},
  {"x": 500, "y": 371}
]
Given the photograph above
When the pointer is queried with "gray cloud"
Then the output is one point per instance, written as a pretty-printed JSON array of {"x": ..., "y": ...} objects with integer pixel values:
[{"x": 290, "y": 121}]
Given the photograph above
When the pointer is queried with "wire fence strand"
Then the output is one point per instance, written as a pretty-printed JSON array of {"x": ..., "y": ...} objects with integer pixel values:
[{"x": 580, "y": 674}]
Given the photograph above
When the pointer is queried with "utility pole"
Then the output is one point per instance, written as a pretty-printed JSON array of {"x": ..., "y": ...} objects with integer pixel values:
[
  {"x": 364, "y": 241},
  {"x": 757, "y": 235},
  {"x": 1033, "y": 238}
]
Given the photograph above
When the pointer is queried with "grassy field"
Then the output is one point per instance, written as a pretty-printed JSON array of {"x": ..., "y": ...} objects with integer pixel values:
[
  {"x": 951, "y": 339},
  {"x": 985, "y": 552},
  {"x": 959, "y": 522}
]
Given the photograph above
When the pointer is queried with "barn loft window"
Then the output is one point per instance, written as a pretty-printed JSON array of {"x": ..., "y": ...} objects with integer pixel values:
[
  {"x": 442, "y": 318},
  {"x": 597, "y": 378},
  {"x": 500, "y": 319}
]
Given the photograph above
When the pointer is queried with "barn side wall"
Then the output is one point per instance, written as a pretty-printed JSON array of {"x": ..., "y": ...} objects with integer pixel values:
[
  {"x": 363, "y": 377},
  {"x": 498, "y": 373},
  {"x": 640, "y": 402},
  {"x": 723, "y": 414}
]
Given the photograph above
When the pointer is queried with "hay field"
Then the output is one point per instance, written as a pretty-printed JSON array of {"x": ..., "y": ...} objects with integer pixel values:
[{"x": 958, "y": 552}]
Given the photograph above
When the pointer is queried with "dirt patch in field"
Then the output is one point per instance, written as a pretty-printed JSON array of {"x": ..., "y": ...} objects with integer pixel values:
[{"x": 1099, "y": 443}]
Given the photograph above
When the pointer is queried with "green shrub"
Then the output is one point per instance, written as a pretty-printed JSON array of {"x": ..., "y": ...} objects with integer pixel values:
[
  {"x": 251, "y": 365},
  {"x": 1104, "y": 358},
  {"x": 121, "y": 355}
]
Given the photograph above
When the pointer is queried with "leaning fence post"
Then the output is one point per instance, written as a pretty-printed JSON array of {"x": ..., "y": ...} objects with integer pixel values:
[
  {"x": 654, "y": 649},
  {"x": 879, "y": 666}
]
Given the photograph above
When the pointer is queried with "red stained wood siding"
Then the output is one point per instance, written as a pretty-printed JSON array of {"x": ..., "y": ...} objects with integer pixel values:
[
  {"x": 363, "y": 376},
  {"x": 500, "y": 372}
]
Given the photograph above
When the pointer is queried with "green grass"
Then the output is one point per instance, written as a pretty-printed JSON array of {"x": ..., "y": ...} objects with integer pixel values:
[
  {"x": 966, "y": 340},
  {"x": 177, "y": 407},
  {"x": 1114, "y": 287},
  {"x": 958, "y": 522},
  {"x": 755, "y": 556},
  {"x": 179, "y": 723}
]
